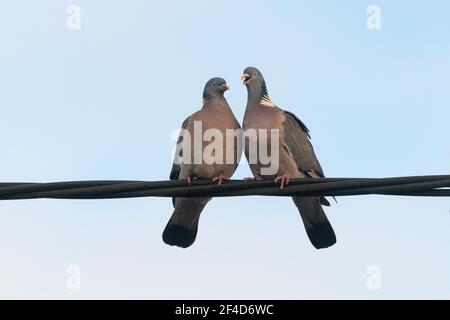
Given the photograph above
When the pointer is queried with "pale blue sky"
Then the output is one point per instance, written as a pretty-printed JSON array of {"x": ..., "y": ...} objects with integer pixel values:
[{"x": 102, "y": 103}]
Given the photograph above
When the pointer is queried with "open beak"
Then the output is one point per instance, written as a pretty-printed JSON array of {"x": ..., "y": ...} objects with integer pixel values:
[
  {"x": 245, "y": 78},
  {"x": 225, "y": 87}
]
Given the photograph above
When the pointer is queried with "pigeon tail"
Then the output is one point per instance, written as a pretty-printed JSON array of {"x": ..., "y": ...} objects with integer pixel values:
[
  {"x": 181, "y": 230},
  {"x": 176, "y": 235},
  {"x": 321, "y": 235},
  {"x": 317, "y": 226}
]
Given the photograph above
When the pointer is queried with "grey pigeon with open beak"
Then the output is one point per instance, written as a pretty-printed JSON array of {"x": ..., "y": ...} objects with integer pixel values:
[
  {"x": 296, "y": 155},
  {"x": 216, "y": 114}
]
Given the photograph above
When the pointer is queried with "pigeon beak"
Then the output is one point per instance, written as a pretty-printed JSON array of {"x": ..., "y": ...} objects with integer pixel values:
[
  {"x": 245, "y": 78},
  {"x": 225, "y": 87}
]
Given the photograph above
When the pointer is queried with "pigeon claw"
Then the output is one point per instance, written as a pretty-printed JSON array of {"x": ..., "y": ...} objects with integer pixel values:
[
  {"x": 283, "y": 180},
  {"x": 189, "y": 179},
  {"x": 220, "y": 179}
]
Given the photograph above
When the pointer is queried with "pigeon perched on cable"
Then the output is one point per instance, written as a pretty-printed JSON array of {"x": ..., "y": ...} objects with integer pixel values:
[
  {"x": 217, "y": 117},
  {"x": 296, "y": 154}
]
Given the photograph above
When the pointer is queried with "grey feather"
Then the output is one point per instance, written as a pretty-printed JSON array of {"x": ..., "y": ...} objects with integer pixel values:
[
  {"x": 296, "y": 140},
  {"x": 176, "y": 167}
]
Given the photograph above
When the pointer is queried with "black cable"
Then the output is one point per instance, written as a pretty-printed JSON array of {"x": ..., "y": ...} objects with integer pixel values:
[{"x": 429, "y": 186}]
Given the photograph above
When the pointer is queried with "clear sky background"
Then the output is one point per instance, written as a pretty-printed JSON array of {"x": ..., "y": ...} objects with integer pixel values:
[{"x": 102, "y": 103}]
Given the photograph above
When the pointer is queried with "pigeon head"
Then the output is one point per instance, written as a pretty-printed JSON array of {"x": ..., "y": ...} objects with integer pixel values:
[
  {"x": 256, "y": 85},
  {"x": 214, "y": 88}
]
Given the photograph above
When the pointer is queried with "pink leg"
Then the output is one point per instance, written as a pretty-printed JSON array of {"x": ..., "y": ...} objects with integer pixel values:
[
  {"x": 189, "y": 179},
  {"x": 220, "y": 179},
  {"x": 284, "y": 180}
]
